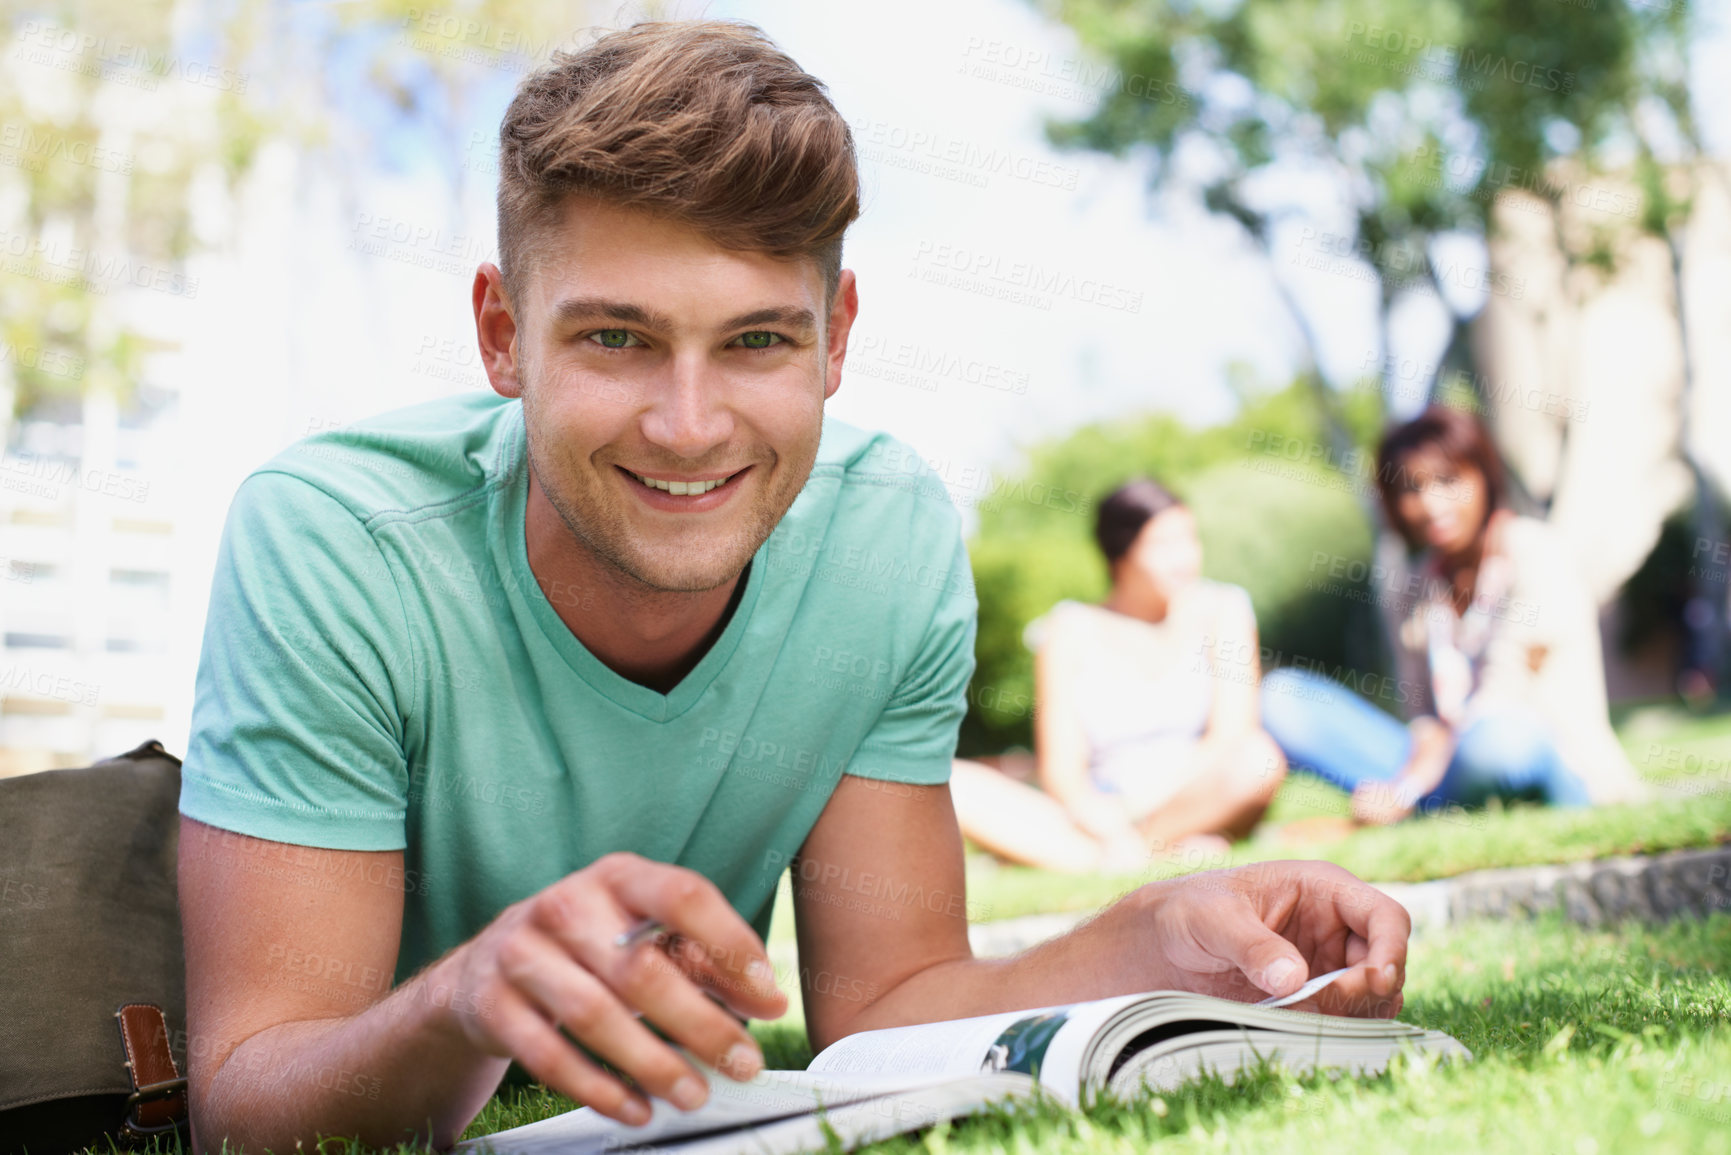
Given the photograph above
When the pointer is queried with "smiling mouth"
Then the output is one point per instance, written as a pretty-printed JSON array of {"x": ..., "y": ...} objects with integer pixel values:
[{"x": 682, "y": 488}]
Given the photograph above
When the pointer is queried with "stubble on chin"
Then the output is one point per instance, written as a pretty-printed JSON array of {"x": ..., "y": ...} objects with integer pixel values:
[{"x": 595, "y": 515}]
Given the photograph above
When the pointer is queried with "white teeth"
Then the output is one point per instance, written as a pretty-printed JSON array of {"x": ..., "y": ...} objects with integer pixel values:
[{"x": 682, "y": 488}]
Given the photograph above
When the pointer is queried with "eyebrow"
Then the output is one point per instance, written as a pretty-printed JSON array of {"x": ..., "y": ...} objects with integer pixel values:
[
  {"x": 786, "y": 317},
  {"x": 572, "y": 310}
]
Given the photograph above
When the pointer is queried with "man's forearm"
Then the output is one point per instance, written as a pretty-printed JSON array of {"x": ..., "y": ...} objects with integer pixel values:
[
  {"x": 1104, "y": 957},
  {"x": 1238, "y": 934},
  {"x": 399, "y": 1069}
]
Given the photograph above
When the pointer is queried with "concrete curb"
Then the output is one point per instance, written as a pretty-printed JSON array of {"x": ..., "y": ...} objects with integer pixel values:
[{"x": 1651, "y": 888}]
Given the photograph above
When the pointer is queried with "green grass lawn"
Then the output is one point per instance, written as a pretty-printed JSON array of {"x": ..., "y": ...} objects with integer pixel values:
[
  {"x": 1424, "y": 848},
  {"x": 1585, "y": 1041}
]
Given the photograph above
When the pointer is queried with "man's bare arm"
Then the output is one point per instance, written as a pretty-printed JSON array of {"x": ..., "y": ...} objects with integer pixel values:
[
  {"x": 882, "y": 925},
  {"x": 290, "y": 952},
  {"x": 291, "y": 1033}
]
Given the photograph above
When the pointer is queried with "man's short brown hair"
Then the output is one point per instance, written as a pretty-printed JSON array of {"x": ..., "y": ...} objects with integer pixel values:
[{"x": 704, "y": 121}]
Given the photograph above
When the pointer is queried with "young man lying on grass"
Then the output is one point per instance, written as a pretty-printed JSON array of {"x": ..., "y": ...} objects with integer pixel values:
[{"x": 493, "y": 680}]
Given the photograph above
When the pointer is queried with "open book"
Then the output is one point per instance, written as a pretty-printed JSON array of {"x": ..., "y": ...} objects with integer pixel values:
[{"x": 875, "y": 1084}]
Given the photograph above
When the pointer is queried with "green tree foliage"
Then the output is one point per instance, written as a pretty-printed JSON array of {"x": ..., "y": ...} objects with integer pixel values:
[
  {"x": 1419, "y": 113},
  {"x": 1279, "y": 513}
]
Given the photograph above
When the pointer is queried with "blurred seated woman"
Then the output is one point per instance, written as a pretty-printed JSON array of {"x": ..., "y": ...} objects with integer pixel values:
[
  {"x": 1497, "y": 651},
  {"x": 1145, "y": 728}
]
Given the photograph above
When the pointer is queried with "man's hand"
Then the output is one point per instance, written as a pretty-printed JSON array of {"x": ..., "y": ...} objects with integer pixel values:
[
  {"x": 1264, "y": 929},
  {"x": 551, "y": 961}
]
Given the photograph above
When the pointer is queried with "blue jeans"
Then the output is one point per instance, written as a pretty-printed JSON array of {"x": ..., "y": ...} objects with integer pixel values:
[{"x": 1329, "y": 731}]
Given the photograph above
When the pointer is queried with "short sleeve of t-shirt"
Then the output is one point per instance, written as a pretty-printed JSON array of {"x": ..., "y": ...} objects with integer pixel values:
[
  {"x": 1234, "y": 609},
  {"x": 297, "y": 731},
  {"x": 914, "y": 740},
  {"x": 1039, "y": 631}
]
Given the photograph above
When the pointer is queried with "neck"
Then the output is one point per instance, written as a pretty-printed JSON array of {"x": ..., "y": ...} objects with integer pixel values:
[
  {"x": 1469, "y": 555},
  {"x": 1148, "y": 604},
  {"x": 649, "y": 636}
]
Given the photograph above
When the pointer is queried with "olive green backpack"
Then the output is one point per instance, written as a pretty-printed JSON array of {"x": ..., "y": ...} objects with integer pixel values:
[{"x": 92, "y": 978}]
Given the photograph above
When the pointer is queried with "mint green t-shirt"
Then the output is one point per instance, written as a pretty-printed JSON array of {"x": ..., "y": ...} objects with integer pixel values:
[{"x": 382, "y": 671}]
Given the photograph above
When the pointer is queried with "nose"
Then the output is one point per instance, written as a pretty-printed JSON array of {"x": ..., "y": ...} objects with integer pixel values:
[
  {"x": 690, "y": 415},
  {"x": 1437, "y": 500}
]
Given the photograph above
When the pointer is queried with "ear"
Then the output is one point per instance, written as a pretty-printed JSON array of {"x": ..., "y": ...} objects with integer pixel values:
[
  {"x": 842, "y": 312},
  {"x": 496, "y": 330}
]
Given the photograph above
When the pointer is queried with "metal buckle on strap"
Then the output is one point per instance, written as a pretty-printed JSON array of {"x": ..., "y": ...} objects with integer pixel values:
[{"x": 150, "y": 1093}]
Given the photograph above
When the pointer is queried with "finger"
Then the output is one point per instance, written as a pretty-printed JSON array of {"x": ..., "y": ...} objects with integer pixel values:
[
  {"x": 1238, "y": 936},
  {"x": 670, "y": 998},
  {"x": 583, "y": 925},
  {"x": 693, "y": 960},
  {"x": 548, "y": 1056},
  {"x": 1382, "y": 922},
  {"x": 692, "y": 906},
  {"x": 1356, "y": 950},
  {"x": 1360, "y": 1002},
  {"x": 579, "y": 1001},
  {"x": 1351, "y": 994}
]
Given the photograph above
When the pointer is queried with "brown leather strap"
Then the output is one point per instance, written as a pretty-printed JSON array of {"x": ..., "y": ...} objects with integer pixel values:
[{"x": 158, "y": 1101}]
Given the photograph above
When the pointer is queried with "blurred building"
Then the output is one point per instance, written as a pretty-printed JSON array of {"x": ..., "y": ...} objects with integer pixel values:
[
  {"x": 289, "y": 317},
  {"x": 86, "y": 585}
]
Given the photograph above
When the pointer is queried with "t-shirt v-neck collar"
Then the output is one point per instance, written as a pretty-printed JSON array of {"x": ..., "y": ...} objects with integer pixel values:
[{"x": 511, "y": 554}]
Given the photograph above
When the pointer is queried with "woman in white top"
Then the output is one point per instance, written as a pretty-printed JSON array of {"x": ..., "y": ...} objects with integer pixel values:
[
  {"x": 1497, "y": 649},
  {"x": 1147, "y": 741}
]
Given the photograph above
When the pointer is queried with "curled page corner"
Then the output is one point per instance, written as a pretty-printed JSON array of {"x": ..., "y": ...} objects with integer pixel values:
[{"x": 1305, "y": 991}]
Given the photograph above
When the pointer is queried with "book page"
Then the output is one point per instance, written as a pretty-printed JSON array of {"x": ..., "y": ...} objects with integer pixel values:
[
  {"x": 867, "y": 1121},
  {"x": 1045, "y": 1042},
  {"x": 932, "y": 1050},
  {"x": 1170, "y": 1064},
  {"x": 731, "y": 1106}
]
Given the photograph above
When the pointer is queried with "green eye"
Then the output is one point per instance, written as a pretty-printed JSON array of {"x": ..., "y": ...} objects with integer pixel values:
[
  {"x": 758, "y": 339},
  {"x": 613, "y": 338}
]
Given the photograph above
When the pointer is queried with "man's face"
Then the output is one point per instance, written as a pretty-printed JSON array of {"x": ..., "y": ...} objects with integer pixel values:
[{"x": 651, "y": 361}]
